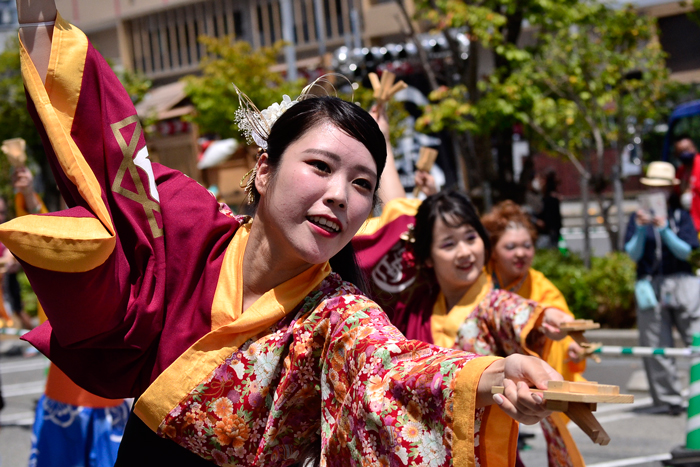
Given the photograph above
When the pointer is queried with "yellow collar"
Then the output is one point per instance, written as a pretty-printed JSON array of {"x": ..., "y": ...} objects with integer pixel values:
[{"x": 445, "y": 324}]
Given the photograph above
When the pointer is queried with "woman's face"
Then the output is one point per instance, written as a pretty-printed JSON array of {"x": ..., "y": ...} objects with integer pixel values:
[
  {"x": 513, "y": 253},
  {"x": 319, "y": 195},
  {"x": 456, "y": 255}
]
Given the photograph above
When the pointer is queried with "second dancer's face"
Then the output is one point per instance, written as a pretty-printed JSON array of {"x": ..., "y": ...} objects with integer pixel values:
[
  {"x": 456, "y": 255},
  {"x": 513, "y": 253},
  {"x": 319, "y": 195}
]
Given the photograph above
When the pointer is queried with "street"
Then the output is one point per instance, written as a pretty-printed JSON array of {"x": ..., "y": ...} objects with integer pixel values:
[{"x": 638, "y": 439}]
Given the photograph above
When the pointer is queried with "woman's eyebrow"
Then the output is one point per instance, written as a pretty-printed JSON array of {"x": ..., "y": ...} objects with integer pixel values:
[{"x": 336, "y": 158}]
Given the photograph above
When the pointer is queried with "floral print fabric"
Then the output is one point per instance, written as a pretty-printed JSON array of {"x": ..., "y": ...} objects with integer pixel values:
[
  {"x": 495, "y": 326},
  {"x": 334, "y": 370}
]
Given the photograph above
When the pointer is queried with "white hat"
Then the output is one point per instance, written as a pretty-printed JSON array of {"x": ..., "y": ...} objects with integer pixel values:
[{"x": 660, "y": 174}]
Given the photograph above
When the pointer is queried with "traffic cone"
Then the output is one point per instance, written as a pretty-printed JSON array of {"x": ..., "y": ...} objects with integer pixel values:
[{"x": 689, "y": 455}]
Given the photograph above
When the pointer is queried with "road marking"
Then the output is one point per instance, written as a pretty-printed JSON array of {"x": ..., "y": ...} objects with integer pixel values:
[
  {"x": 24, "y": 389},
  {"x": 638, "y": 402},
  {"x": 18, "y": 367},
  {"x": 634, "y": 461},
  {"x": 17, "y": 419}
]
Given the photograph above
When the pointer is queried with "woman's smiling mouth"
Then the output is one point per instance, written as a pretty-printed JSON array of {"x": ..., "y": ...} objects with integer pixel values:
[{"x": 324, "y": 223}]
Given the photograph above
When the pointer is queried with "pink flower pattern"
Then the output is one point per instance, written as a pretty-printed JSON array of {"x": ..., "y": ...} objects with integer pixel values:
[
  {"x": 335, "y": 370},
  {"x": 495, "y": 328}
]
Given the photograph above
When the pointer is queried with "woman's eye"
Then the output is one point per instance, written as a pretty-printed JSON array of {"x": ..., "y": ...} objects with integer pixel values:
[
  {"x": 446, "y": 245},
  {"x": 320, "y": 165},
  {"x": 471, "y": 238},
  {"x": 510, "y": 246},
  {"x": 366, "y": 184}
]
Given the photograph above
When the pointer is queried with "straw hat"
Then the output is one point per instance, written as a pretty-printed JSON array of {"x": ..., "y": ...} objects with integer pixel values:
[{"x": 660, "y": 174}]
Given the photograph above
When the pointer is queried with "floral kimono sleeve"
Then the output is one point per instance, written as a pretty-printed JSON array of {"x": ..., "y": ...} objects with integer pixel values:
[
  {"x": 390, "y": 401},
  {"x": 503, "y": 324}
]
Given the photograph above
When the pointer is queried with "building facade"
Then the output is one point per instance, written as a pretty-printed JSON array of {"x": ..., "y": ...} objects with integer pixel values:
[
  {"x": 8, "y": 21},
  {"x": 159, "y": 37}
]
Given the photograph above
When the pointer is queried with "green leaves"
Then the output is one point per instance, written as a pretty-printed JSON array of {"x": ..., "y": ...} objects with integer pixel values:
[
  {"x": 584, "y": 65},
  {"x": 227, "y": 63}
]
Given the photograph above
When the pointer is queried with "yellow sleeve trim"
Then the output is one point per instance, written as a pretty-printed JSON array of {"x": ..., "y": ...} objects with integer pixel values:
[
  {"x": 63, "y": 244},
  {"x": 56, "y": 104},
  {"x": 392, "y": 210},
  {"x": 464, "y": 412}
]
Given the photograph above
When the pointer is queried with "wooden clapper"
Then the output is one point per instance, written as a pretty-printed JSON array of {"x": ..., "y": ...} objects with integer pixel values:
[
  {"x": 576, "y": 328},
  {"x": 578, "y": 401},
  {"x": 426, "y": 160},
  {"x": 14, "y": 149},
  {"x": 385, "y": 88}
]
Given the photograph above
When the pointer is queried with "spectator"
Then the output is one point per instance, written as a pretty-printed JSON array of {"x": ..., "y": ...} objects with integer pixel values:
[
  {"x": 666, "y": 289},
  {"x": 549, "y": 219},
  {"x": 689, "y": 175}
]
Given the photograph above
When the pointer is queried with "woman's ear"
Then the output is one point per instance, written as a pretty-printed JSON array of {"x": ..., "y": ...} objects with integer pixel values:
[
  {"x": 263, "y": 173},
  {"x": 428, "y": 263}
]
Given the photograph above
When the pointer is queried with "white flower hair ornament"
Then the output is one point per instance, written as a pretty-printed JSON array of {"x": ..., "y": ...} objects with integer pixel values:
[{"x": 256, "y": 125}]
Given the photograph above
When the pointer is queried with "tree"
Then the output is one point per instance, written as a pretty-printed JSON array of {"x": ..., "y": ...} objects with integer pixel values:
[
  {"x": 585, "y": 86},
  {"x": 495, "y": 29},
  {"x": 227, "y": 63}
]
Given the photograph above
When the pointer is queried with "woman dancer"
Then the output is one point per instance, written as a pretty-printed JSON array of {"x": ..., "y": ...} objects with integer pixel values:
[
  {"x": 513, "y": 239},
  {"x": 240, "y": 343},
  {"x": 425, "y": 263}
]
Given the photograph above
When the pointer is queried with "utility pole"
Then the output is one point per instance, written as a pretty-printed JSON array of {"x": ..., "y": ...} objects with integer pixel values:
[
  {"x": 320, "y": 27},
  {"x": 290, "y": 53}
]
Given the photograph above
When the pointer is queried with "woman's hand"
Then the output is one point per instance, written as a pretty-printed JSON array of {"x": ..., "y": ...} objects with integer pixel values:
[
  {"x": 575, "y": 352},
  {"x": 425, "y": 182},
  {"x": 378, "y": 113},
  {"x": 23, "y": 181},
  {"x": 517, "y": 374},
  {"x": 642, "y": 217},
  {"x": 551, "y": 323}
]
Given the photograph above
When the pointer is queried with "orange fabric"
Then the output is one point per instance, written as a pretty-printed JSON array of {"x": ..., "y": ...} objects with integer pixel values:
[
  {"x": 540, "y": 289},
  {"x": 21, "y": 206},
  {"x": 61, "y": 388},
  {"x": 498, "y": 436}
]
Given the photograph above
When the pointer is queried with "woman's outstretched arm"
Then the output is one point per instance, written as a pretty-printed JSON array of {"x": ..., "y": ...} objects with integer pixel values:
[{"x": 37, "y": 39}]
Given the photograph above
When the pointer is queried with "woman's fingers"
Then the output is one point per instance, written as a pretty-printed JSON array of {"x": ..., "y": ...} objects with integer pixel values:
[{"x": 520, "y": 403}]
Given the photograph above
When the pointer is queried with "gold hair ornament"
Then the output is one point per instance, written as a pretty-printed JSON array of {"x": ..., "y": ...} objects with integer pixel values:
[{"x": 248, "y": 182}]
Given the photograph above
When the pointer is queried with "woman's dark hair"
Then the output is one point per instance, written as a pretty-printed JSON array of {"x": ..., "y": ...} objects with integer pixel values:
[
  {"x": 352, "y": 120},
  {"x": 455, "y": 209}
]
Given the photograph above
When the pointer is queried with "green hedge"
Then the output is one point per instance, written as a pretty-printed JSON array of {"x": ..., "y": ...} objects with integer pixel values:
[
  {"x": 605, "y": 293},
  {"x": 28, "y": 297}
]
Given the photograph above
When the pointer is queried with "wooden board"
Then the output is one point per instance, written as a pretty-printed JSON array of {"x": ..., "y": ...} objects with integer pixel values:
[
  {"x": 579, "y": 325},
  {"x": 589, "y": 392}
]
